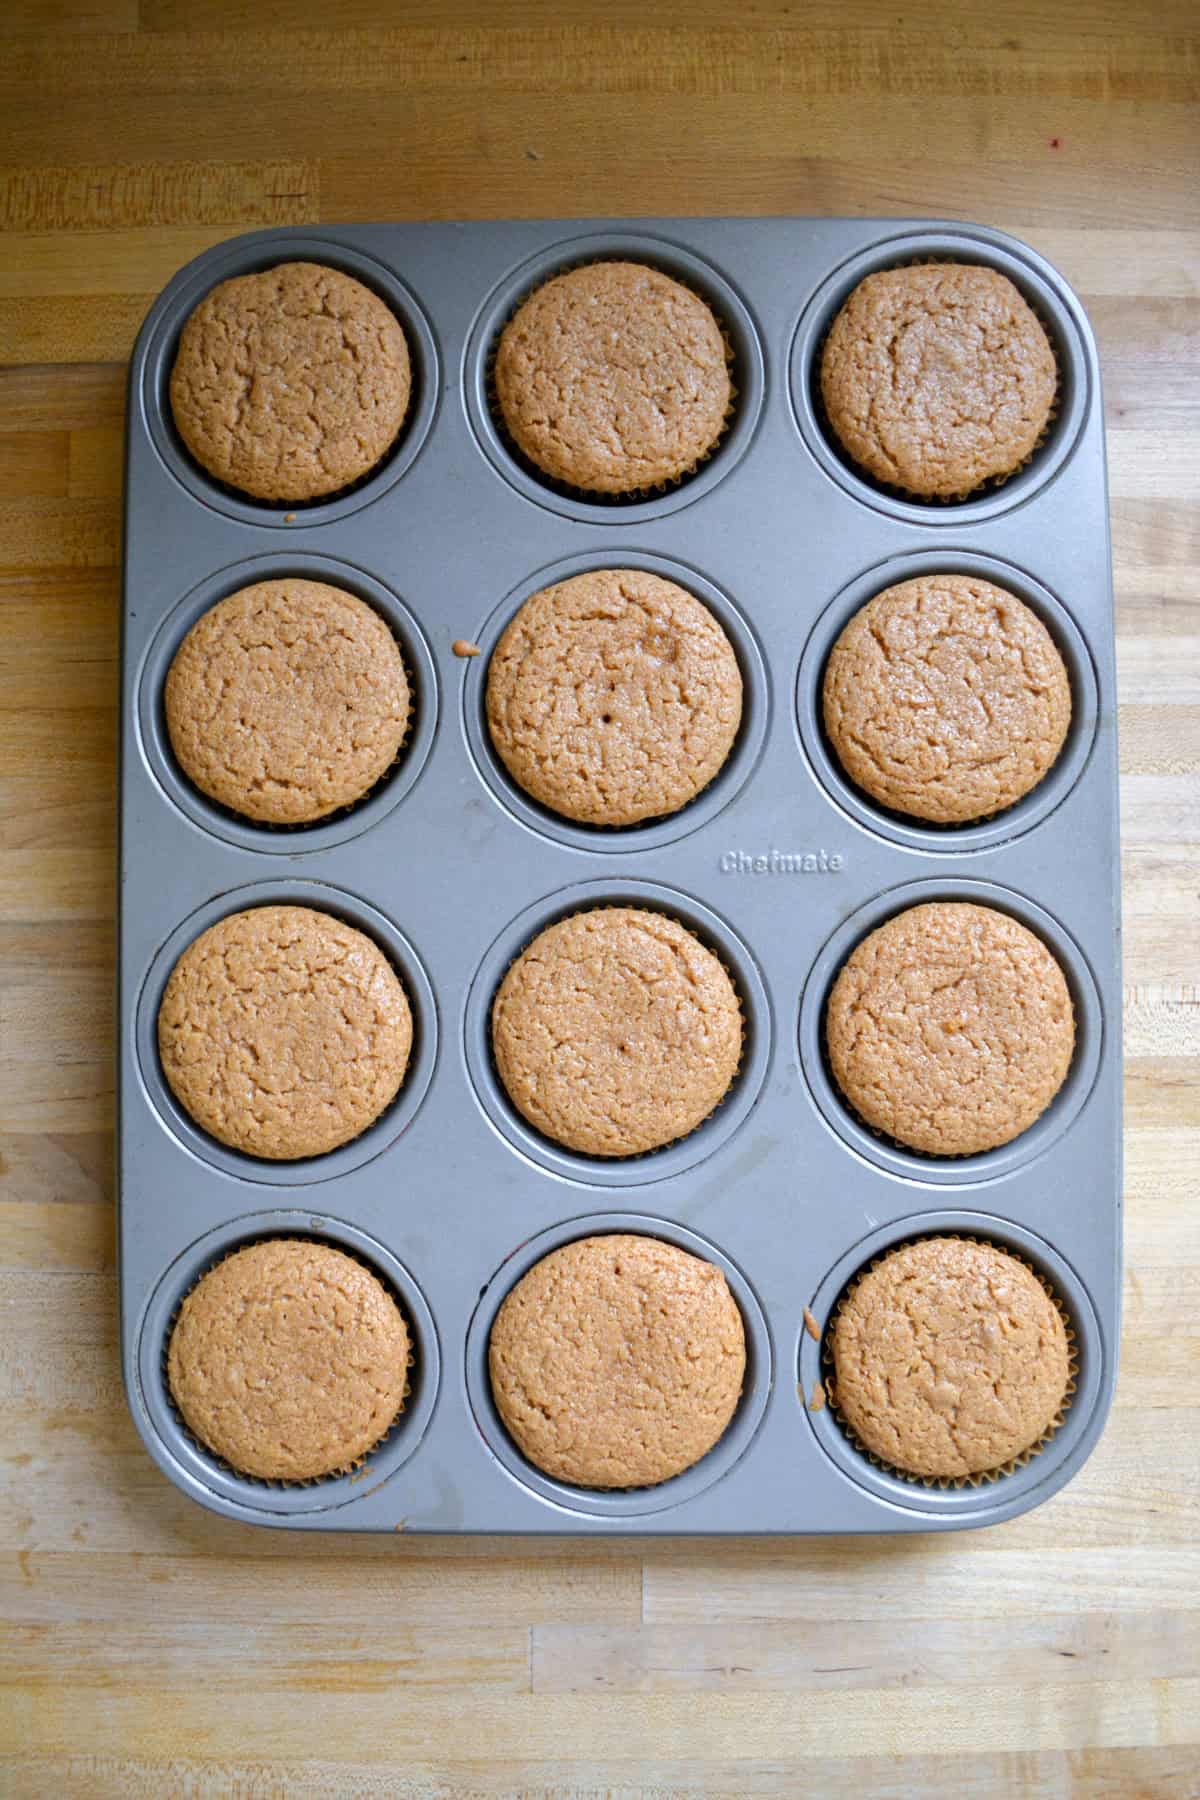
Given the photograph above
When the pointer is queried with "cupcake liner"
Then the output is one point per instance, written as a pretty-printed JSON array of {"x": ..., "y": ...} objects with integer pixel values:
[
  {"x": 595, "y": 496},
  {"x": 993, "y": 482},
  {"x": 984, "y": 1477},
  {"x": 282, "y": 828},
  {"x": 360, "y": 1464},
  {"x": 618, "y": 906}
]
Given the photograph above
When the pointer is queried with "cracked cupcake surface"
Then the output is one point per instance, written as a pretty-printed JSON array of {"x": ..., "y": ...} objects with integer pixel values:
[
  {"x": 613, "y": 377},
  {"x": 950, "y": 1358},
  {"x": 616, "y": 1031},
  {"x": 289, "y": 1360},
  {"x": 284, "y": 1032},
  {"x": 946, "y": 698},
  {"x": 291, "y": 383},
  {"x": 617, "y": 1361},
  {"x": 950, "y": 1028},
  {"x": 287, "y": 700},
  {"x": 938, "y": 377},
  {"x": 613, "y": 697}
]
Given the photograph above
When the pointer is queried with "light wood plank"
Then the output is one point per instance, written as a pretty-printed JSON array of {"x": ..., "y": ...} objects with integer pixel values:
[
  {"x": 1154, "y": 742},
  {"x": 1146, "y": 464},
  {"x": 1108, "y": 1774},
  {"x": 102, "y": 197},
  {"x": 59, "y": 1233},
  {"x": 1048, "y": 1717},
  {"x": 59, "y": 534},
  {"x": 759, "y": 153},
  {"x": 90, "y": 328},
  {"x": 1104, "y": 20},
  {"x": 850, "y": 1654},
  {"x": 54, "y": 264},
  {"x": 95, "y": 464},
  {"x": 1129, "y": 264},
  {"x": 76, "y": 884},
  {"x": 374, "y": 1656},
  {"x": 33, "y": 467},
  {"x": 422, "y": 1585},
  {"x": 559, "y": 58},
  {"x": 68, "y": 17},
  {"x": 890, "y": 1580},
  {"x": 61, "y": 397}
]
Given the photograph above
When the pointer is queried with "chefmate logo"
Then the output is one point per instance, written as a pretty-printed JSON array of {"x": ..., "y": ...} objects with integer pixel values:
[{"x": 781, "y": 862}]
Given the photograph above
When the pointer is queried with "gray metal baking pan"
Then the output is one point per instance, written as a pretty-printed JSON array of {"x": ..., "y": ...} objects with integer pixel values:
[{"x": 779, "y": 864}]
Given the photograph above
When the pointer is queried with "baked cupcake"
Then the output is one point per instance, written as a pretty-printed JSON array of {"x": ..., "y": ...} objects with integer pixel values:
[
  {"x": 286, "y": 701},
  {"x": 617, "y": 1362},
  {"x": 613, "y": 378},
  {"x": 950, "y": 1359},
  {"x": 284, "y": 1032},
  {"x": 950, "y": 1028},
  {"x": 613, "y": 697},
  {"x": 290, "y": 383},
  {"x": 945, "y": 698},
  {"x": 616, "y": 1031},
  {"x": 289, "y": 1360},
  {"x": 937, "y": 378}
]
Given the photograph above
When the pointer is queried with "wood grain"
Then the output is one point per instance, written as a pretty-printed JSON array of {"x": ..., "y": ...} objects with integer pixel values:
[{"x": 150, "y": 1649}]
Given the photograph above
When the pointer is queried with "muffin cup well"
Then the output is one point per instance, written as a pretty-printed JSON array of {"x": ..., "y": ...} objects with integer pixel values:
[
  {"x": 743, "y": 350},
  {"x": 968, "y": 1499},
  {"x": 1055, "y": 310},
  {"x": 979, "y": 1166},
  {"x": 348, "y": 821},
  {"x": 204, "y": 1449},
  {"x": 197, "y": 1467},
  {"x": 647, "y": 1165},
  {"x": 655, "y": 1149},
  {"x": 609, "y": 1503},
  {"x": 648, "y": 834},
  {"x": 377, "y": 1136},
  {"x": 983, "y": 1476},
  {"x": 990, "y": 483},
  {"x": 336, "y": 813},
  {"x": 922, "y": 834},
  {"x": 251, "y": 255},
  {"x": 631, "y": 496}
]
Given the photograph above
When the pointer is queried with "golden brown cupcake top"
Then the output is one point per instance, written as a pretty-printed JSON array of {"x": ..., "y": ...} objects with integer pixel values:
[
  {"x": 287, "y": 700},
  {"x": 290, "y": 383},
  {"x": 616, "y": 1031},
  {"x": 613, "y": 377},
  {"x": 289, "y": 1360},
  {"x": 950, "y": 1358},
  {"x": 617, "y": 1361},
  {"x": 945, "y": 698},
  {"x": 284, "y": 1032},
  {"x": 938, "y": 377},
  {"x": 613, "y": 697},
  {"x": 950, "y": 1028}
]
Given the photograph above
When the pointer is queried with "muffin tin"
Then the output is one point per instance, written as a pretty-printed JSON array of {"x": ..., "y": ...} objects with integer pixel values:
[{"x": 779, "y": 865}]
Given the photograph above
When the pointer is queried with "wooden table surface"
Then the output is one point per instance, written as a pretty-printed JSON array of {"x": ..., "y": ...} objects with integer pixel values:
[{"x": 151, "y": 1649}]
